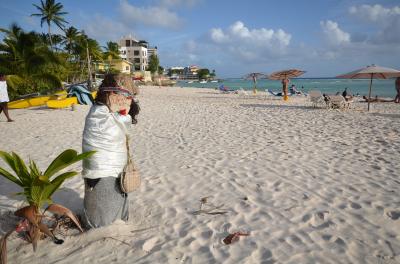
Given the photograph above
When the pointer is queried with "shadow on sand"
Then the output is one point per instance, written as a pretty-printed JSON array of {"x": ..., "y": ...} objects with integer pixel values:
[
  {"x": 386, "y": 115},
  {"x": 310, "y": 108}
]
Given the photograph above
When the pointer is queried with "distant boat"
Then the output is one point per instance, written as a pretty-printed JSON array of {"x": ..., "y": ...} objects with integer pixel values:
[
  {"x": 190, "y": 82},
  {"x": 203, "y": 81},
  {"x": 214, "y": 81}
]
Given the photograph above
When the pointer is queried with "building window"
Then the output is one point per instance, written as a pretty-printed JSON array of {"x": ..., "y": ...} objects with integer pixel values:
[
  {"x": 127, "y": 68},
  {"x": 137, "y": 60},
  {"x": 136, "y": 53},
  {"x": 127, "y": 43}
]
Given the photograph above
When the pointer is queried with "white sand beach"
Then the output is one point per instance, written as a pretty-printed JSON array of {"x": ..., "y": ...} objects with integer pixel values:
[{"x": 309, "y": 185}]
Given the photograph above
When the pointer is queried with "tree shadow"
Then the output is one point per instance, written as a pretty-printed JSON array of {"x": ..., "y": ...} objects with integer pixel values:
[
  {"x": 69, "y": 198},
  {"x": 386, "y": 115},
  {"x": 309, "y": 108}
]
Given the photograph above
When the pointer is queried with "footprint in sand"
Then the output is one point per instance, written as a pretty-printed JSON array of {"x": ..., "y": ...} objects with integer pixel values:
[
  {"x": 149, "y": 244},
  {"x": 394, "y": 215}
]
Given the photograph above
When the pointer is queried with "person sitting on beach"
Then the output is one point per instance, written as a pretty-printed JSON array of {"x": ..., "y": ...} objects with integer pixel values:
[
  {"x": 4, "y": 97},
  {"x": 105, "y": 132},
  {"x": 376, "y": 99},
  {"x": 293, "y": 90}
]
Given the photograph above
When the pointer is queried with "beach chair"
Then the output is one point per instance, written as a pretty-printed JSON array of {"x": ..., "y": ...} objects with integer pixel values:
[
  {"x": 268, "y": 94},
  {"x": 349, "y": 102},
  {"x": 337, "y": 102},
  {"x": 223, "y": 89},
  {"x": 242, "y": 93},
  {"x": 272, "y": 93},
  {"x": 316, "y": 98}
]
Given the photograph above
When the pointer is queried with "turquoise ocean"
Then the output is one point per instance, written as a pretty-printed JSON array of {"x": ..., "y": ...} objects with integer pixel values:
[{"x": 380, "y": 88}]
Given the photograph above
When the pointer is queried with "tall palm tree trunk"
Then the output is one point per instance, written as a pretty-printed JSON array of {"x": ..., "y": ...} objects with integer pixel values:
[{"x": 51, "y": 41}]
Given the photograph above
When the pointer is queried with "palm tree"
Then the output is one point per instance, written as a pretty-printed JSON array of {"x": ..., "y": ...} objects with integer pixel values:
[
  {"x": 71, "y": 37},
  {"x": 50, "y": 12},
  {"x": 111, "y": 49},
  {"x": 29, "y": 64}
]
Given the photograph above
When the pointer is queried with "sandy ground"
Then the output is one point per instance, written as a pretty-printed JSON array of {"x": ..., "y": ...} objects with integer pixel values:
[{"x": 309, "y": 185}]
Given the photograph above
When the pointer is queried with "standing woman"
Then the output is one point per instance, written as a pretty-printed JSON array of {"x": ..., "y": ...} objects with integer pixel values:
[
  {"x": 106, "y": 128},
  {"x": 285, "y": 84},
  {"x": 4, "y": 97}
]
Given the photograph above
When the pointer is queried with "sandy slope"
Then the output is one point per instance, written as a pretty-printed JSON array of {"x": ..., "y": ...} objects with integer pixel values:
[{"x": 309, "y": 185}]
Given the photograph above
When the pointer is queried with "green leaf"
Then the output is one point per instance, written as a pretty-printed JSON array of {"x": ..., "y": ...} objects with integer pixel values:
[
  {"x": 9, "y": 176},
  {"x": 56, "y": 183},
  {"x": 23, "y": 173},
  {"x": 34, "y": 169},
  {"x": 60, "y": 162},
  {"x": 37, "y": 192},
  {"x": 65, "y": 159},
  {"x": 9, "y": 160}
]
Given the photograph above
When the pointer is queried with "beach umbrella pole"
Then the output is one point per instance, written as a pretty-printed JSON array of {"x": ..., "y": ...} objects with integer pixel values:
[{"x": 370, "y": 86}]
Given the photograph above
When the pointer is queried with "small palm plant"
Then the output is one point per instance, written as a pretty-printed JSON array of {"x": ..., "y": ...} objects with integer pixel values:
[{"x": 38, "y": 187}]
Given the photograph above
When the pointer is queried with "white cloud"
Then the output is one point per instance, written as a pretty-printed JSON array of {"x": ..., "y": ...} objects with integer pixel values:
[
  {"x": 105, "y": 29},
  {"x": 249, "y": 44},
  {"x": 386, "y": 19},
  {"x": 333, "y": 34},
  {"x": 157, "y": 16},
  {"x": 375, "y": 13},
  {"x": 218, "y": 36}
]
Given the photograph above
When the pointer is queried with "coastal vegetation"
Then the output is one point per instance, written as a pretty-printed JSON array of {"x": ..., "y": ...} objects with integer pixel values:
[{"x": 39, "y": 62}]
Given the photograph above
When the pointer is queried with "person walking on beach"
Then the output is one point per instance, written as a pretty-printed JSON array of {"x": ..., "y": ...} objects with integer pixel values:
[
  {"x": 105, "y": 132},
  {"x": 397, "y": 99},
  {"x": 4, "y": 97}
]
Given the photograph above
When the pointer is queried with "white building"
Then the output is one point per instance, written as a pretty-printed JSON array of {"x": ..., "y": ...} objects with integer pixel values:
[
  {"x": 134, "y": 51},
  {"x": 151, "y": 51}
]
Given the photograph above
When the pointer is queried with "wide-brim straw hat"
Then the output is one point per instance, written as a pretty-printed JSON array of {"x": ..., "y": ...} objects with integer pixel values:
[{"x": 125, "y": 84}]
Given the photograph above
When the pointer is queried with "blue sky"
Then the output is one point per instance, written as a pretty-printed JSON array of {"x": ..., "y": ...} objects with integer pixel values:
[{"x": 325, "y": 37}]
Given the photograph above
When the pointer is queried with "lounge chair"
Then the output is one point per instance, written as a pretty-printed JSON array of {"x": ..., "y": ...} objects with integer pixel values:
[
  {"x": 337, "y": 102},
  {"x": 242, "y": 93},
  {"x": 316, "y": 98},
  {"x": 349, "y": 100},
  {"x": 268, "y": 94},
  {"x": 274, "y": 93},
  {"x": 222, "y": 88}
]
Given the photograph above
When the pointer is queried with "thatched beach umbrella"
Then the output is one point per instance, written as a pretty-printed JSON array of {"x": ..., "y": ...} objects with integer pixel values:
[
  {"x": 284, "y": 76},
  {"x": 254, "y": 76},
  {"x": 371, "y": 72}
]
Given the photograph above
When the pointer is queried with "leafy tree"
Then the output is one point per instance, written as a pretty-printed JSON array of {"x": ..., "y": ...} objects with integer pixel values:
[
  {"x": 29, "y": 64},
  {"x": 203, "y": 73},
  {"x": 160, "y": 69},
  {"x": 212, "y": 74},
  {"x": 51, "y": 12},
  {"x": 154, "y": 63},
  {"x": 70, "y": 38}
]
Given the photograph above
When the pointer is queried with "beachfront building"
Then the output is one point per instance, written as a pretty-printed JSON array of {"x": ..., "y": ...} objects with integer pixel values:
[
  {"x": 184, "y": 73},
  {"x": 134, "y": 51},
  {"x": 120, "y": 65},
  {"x": 191, "y": 72},
  {"x": 151, "y": 51},
  {"x": 175, "y": 72}
]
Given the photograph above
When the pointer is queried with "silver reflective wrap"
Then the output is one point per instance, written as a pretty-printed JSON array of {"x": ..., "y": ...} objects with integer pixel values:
[{"x": 105, "y": 133}]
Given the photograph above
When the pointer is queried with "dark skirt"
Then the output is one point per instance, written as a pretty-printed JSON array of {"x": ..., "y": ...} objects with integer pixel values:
[{"x": 104, "y": 202}]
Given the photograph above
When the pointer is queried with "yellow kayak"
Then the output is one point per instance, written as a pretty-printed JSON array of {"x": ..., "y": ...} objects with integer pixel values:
[
  {"x": 35, "y": 101},
  {"x": 66, "y": 102}
]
